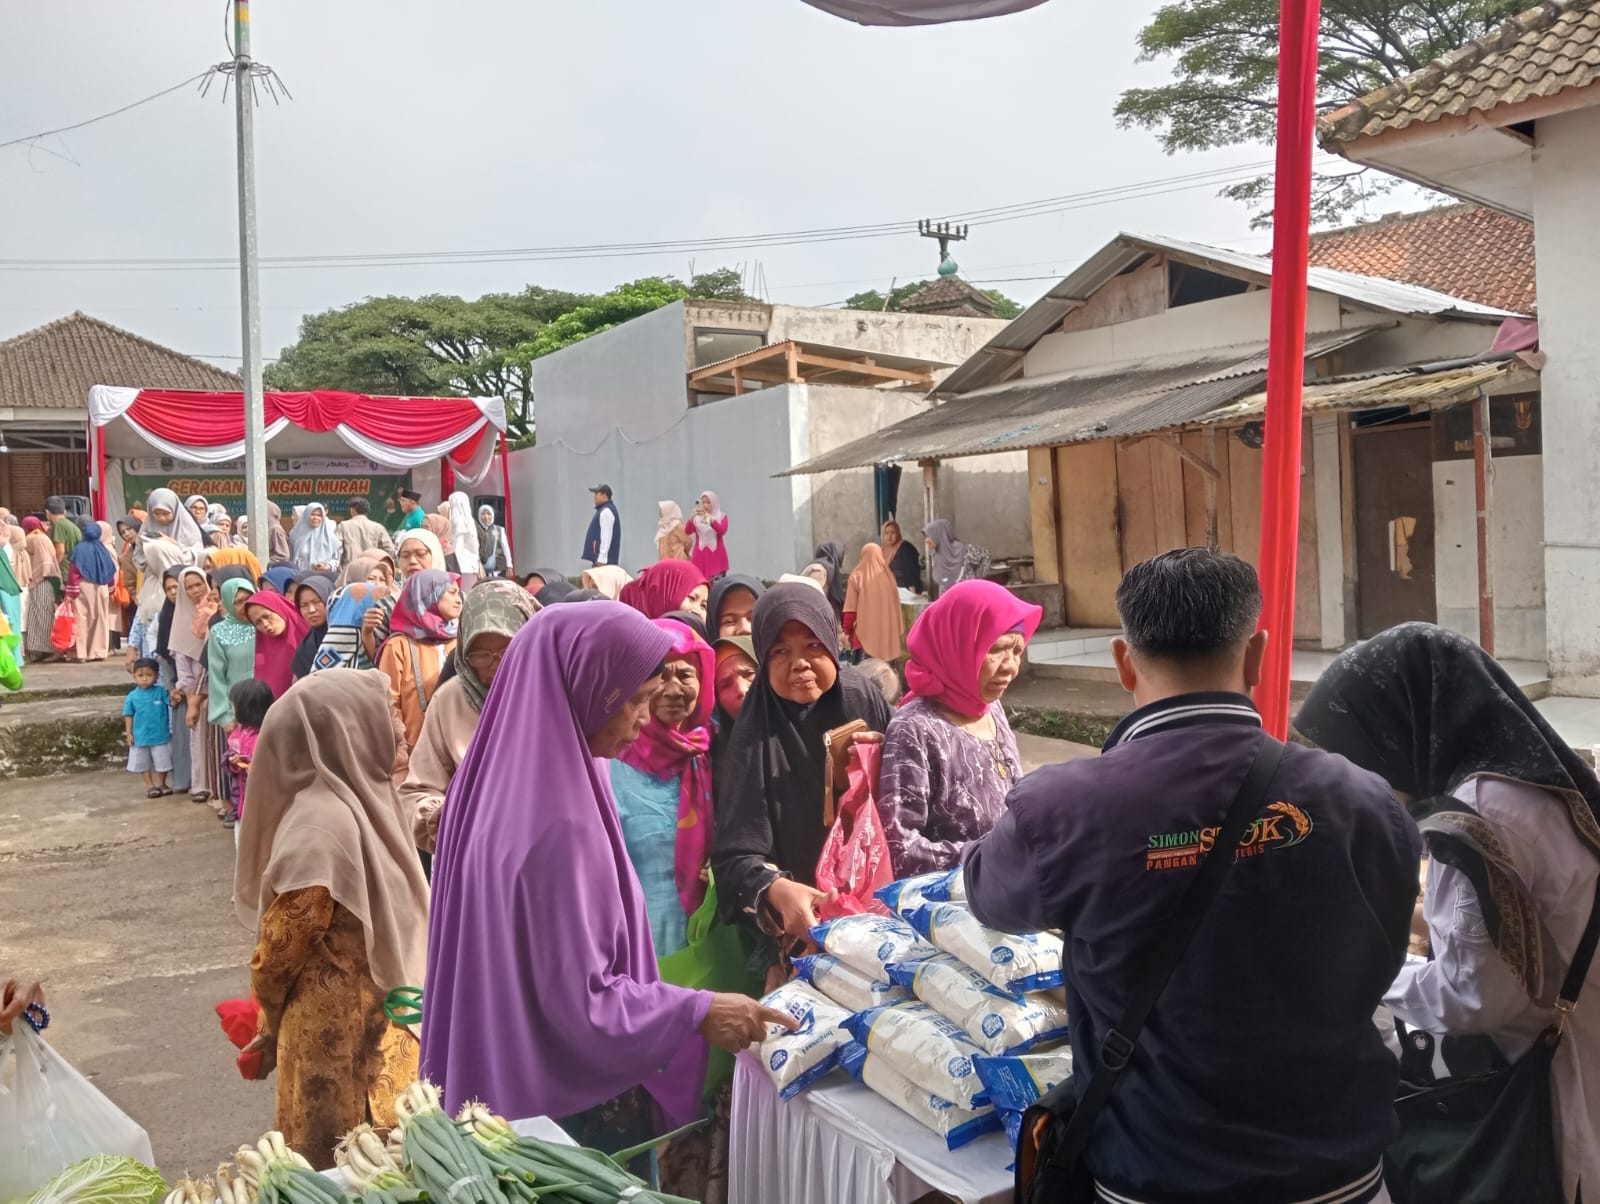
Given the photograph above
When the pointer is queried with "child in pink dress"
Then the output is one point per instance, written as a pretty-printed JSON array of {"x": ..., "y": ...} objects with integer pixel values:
[
  {"x": 708, "y": 530},
  {"x": 250, "y": 699}
]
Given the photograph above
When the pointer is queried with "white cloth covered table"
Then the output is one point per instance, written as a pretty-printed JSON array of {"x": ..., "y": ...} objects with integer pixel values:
[{"x": 841, "y": 1142}]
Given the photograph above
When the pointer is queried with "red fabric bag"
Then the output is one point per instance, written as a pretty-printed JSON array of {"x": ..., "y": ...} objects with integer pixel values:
[
  {"x": 855, "y": 857},
  {"x": 64, "y": 631}
]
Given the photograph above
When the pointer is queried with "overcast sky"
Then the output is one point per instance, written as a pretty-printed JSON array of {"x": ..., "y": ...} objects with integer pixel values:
[{"x": 425, "y": 126}]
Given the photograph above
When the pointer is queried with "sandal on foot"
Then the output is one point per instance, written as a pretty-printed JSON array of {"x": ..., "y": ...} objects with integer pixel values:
[
  {"x": 153, "y": 792},
  {"x": 199, "y": 796}
]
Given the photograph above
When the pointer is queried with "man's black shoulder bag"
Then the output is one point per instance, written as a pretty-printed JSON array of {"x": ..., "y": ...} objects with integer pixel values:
[{"x": 1056, "y": 1130}]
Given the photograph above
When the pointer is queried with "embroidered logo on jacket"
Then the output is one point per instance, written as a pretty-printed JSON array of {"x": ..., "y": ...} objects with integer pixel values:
[{"x": 1285, "y": 827}]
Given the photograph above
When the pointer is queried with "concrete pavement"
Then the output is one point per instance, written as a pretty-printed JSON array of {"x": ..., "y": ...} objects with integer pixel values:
[{"x": 121, "y": 905}]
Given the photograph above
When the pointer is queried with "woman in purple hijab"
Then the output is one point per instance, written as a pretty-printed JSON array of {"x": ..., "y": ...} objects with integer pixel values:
[{"x": 542, "y": 997}]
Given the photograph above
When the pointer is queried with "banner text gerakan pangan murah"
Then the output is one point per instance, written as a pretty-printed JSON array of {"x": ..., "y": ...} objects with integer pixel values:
[{"x": 290, "y": 483}]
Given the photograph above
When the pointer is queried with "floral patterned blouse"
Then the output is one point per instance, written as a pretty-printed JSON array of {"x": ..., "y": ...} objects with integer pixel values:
[{"x": 940, "y": 786}]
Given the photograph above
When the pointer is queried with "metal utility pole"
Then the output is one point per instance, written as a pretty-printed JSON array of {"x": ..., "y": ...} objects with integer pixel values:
[{"x": 255, "y": 441}]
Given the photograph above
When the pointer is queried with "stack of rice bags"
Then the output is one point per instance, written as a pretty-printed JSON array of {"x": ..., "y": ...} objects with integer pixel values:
[
  {"x": 940, "y": 1011},
  {"x": 1005, "y": 992}
]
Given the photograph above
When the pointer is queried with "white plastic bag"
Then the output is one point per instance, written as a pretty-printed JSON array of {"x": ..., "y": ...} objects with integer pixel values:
[{"x": 51, "y": 1116}]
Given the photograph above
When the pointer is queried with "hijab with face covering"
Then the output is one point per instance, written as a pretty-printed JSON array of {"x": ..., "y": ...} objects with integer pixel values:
[
  {"x": 874, "y": 597},
  {"x": 771, "y": 809},
  {"x": 662, "y": 587},
  {"x": 321, "y": 810},
  {"x": 595, "y": 1019},
  {"x": 1426, "y": 709},
  {"x": 490, "y": 608},
  {"x": 951, "y": 638}
]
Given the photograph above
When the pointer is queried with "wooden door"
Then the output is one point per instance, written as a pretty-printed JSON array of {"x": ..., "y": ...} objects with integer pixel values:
[{"x": 1394, "y": 527}]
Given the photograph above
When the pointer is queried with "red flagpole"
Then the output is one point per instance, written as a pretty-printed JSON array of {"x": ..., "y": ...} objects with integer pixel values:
[{"x": 1280, "y": 470}]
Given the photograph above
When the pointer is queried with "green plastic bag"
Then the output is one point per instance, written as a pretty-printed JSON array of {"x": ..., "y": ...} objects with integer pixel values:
[{"x": 717, "y": 958}]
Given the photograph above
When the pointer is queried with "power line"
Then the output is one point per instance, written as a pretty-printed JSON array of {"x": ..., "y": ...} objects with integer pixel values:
[
  {"x": 78, "y": 125},
  {"x": 621, "y": 250}
]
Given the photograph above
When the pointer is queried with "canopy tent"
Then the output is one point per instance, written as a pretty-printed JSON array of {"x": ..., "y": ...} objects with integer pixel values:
[{"x": 208, "y": 428}]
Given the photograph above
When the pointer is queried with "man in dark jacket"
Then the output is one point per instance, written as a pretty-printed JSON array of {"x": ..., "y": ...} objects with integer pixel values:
[
  {"x": 603, "y": 544},
  {"x": 1260, "y": 1077}
]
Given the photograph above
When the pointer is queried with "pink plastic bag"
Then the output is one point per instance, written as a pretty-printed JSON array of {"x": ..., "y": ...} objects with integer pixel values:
[{"x": 855, "y": 857}]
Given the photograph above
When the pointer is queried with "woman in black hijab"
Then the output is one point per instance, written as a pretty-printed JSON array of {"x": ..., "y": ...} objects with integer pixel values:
[
  {"x": 1509, "y": 813},
  {"x": 311, "y": 599},
  {"x": 730, "y": 609},
  {"x": 770, "y": 806}
]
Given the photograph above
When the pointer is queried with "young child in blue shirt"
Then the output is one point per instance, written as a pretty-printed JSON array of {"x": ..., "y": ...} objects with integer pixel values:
[{"x": 147, "y": 722}]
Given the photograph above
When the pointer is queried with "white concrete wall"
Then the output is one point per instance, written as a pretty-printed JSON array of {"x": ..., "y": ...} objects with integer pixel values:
[
  {"x": 1566, "y": 180},
  {"x": 731, "y": 447},
  {"x": 633, "y": 376},
  {"x": 943, "y": 340},
  {"x": 1519, "y": 602},
  {"x": 987, "y": 496}
]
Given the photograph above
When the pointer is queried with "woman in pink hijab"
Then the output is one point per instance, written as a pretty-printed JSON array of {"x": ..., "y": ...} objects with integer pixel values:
[
  {"x": 949, "y": 756},
  {"x": 708, "y": 530}
]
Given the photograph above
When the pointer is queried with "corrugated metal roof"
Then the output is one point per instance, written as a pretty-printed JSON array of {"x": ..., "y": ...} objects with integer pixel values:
[
  {"x": 990, "y": 362},
  {"x": 1417, "y": 387},
  {"x": 1106, "y": 401}
]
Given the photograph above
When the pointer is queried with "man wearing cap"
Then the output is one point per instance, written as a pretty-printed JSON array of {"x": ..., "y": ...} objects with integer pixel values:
[
  {"x": 603, "y": 545},
  {"x": 411, "y": 507}
]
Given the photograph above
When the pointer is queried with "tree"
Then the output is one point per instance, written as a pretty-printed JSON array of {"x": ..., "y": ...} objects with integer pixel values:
[
  {"x": 444, "y": 346},
  {"x": 437, "y": 345},
  {"x": 1004, "y": 306},
  {"x": 1225, "y": 68}
]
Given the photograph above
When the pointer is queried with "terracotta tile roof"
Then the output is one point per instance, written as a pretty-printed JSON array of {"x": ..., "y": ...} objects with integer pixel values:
[
  {"x": 53, "y": 366},
  {"x": 1540, "y": 52},
  {"x": 1467, "y": 251},
  {"x": 949, "y": 296}
]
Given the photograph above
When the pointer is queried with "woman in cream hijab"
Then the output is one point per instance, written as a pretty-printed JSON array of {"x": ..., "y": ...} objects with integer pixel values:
[
  {"x": 607, "y": 579},
  {"x": 328, "y": 877}
]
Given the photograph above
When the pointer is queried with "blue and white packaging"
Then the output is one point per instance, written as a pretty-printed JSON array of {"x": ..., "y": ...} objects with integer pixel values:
[
  {"x": 908, "y": 894},
  {"x": 796, "y": 1060},
  {"x": 948, "y": 887},
  {"x": 868, "y": 943},
  {"x": 998, "y": 1023},
  {"x": 957, "y": 1125},
  {"x": 849, "y": 988},
  {"x": 930, "y": 1050},
  {"x": 1012, "y": 964},
  {"x": 1015, "y": 1084}
]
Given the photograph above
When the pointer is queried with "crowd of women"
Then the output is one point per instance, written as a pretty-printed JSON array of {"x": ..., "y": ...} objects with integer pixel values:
[{"x": 517, "y": 795}]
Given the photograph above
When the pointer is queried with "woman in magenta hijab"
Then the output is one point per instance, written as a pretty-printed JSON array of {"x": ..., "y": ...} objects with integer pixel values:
[
  {"x": 665, "y": 586},
  {"x": 949, "y": 756},
  {"x": 542, "y": 992}
]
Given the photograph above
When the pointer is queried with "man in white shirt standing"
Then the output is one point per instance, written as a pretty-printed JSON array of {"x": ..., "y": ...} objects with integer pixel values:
[{"x": 603, "y": 545}]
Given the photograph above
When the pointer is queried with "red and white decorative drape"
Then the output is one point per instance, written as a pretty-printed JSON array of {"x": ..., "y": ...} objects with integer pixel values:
[{"x": 398, "y": 432}]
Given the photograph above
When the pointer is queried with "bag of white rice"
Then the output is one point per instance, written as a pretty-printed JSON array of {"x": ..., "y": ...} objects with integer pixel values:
[
  {"x": 931, "y": 1051},
  {"x": 1015, "y": 1084},
  {"x": 955, "y": 1124},
  {"x": 869, "y": 943},
  {"x": 1013, "y": 964},
  {"x": 948, "y": 887},
  {"x": 849, "y": 988},
  {"x": 798, "y": 1059},
  {"x": 997, "y": 1023},
  {"x": 906, "y": 895}
]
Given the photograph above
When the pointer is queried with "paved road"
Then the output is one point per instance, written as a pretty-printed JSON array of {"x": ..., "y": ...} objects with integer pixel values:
[{"x": 121, "y": 905}]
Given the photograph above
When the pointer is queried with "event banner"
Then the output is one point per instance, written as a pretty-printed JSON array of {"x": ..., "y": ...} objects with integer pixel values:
[{"x": 291, "y": 482}]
